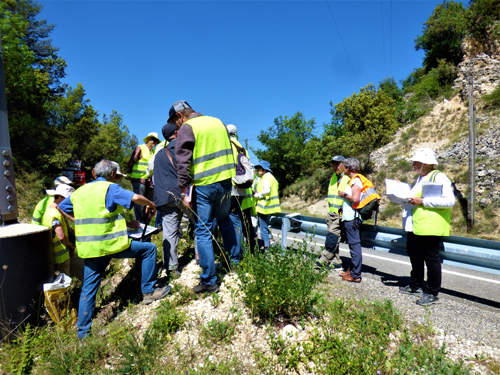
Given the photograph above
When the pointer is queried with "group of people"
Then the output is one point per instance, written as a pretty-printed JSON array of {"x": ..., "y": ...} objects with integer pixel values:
[
  {"x": 190, "y": 173},
  {"x": 426, "y": 219}
]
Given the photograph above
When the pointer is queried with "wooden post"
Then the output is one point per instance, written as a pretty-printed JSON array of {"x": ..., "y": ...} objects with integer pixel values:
[{"x": 472, "y": 160}]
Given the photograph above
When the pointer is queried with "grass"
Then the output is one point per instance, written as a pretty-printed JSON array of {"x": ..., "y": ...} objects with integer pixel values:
[{"x": 344, "y": 335}]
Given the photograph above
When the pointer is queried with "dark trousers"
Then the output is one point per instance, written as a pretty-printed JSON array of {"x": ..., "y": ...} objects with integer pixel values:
[
  {"x": 424, "y": 249},
  {"x": 352, "y": 228},
  {"x": 242, "y": 221}
]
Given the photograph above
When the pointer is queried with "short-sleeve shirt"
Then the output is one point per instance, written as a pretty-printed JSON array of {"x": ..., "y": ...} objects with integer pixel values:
[
  {"x": 349, "y": 213},
  {"x": 116, "y": 196}
]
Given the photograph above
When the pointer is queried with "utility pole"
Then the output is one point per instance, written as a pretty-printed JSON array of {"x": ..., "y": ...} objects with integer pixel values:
[
  {"x": 472, "y": 160},
  {"x": 246, "y": 144},
  {"x": 8, "y": 197}
]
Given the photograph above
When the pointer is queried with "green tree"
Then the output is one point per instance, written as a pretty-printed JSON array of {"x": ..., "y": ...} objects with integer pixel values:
[
  {"x": 286, "y": 147},
  {"x": 442, "y": 34},
  {"x": 112, "y": 142},
  {"x": 482, "y": 17},
  {"x": 367, "y": 120}
]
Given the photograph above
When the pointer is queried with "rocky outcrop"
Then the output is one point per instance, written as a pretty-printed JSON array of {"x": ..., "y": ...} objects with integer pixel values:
[{"x": 485, "y": 72}]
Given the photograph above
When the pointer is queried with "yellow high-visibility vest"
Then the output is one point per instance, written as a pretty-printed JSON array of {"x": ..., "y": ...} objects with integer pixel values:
[
  {"x": 140, "y": 166},
  {"x": 270, "y": 203},
  {"x": 213, "y": 159},
  {"x": 431, "y": 221},
  {"x": 61, "y": 252},
  {"x": 98, "y": 232},
  {"x": 40, "y": 209},
  {"x": 334, "y": 201}
]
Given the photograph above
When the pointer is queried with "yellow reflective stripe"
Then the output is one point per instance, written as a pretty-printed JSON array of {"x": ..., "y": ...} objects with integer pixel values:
[
  {"x": 213, "y": 155},
  {"x": 214, "y": 171},
  {"x": 101, "y": 220},
  {"x": 103, "y": 237}
]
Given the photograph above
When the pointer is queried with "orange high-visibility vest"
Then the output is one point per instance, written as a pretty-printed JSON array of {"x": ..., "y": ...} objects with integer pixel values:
[{"x": 368, "y": 192}]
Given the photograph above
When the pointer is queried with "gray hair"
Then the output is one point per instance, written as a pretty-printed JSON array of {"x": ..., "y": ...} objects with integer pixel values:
[
  {"x": 104, "y": 168},
  {"x": 352, "y": 164}
]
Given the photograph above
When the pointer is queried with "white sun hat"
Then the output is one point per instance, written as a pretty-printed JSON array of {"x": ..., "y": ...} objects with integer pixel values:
[
  {"x": 62, "y": 189},
  {"x": 425, "y": 156}
]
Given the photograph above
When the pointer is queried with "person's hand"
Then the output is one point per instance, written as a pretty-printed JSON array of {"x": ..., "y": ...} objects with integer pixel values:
[
  {"x": 151, "y": 209},
  {"x": 187, "y": 201},
  {"x": 135, "y": 224},
  {"x": 416, "y": 201},
  {"x": 341, "y": 194}
]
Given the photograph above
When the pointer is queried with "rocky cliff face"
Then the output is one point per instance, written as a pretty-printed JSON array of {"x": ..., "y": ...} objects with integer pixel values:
[{"x": 451, "y": 117}]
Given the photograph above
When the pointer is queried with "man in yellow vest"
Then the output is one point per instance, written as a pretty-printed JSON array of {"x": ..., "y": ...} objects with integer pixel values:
[
  {"x": 242, "y": 205},
  {"x": 41, "y": 207},
  {"x": 205, "y": 161},
  {"x": 141, "y": 180},
  {"x": 101, "y": 234},
  {"x": 330, "y": 255},
  {"x": 268, "y": 201},
  {"x": 426, "y": 221}
]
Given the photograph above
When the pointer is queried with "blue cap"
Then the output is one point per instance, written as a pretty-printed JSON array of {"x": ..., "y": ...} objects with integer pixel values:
[
  {"x": 178, "y": 106},
  {"x": 168, "y": 130},
  {"x": 264, "y": 164}
]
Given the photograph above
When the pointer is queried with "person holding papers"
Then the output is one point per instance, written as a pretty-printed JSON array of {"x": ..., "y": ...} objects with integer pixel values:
[{"x": 426, "y": 218}]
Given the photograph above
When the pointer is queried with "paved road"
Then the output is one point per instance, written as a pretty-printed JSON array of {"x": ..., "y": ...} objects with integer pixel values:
[{"x": 464, "y": 285}]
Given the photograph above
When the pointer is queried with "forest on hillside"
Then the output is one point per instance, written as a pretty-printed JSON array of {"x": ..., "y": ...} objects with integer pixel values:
[{"x": 52, "y": 123}]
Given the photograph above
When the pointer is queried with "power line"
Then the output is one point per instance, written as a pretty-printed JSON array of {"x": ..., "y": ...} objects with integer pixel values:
[
  {"x": 345, "y": 50},
  {"x": 383, "y": 35},
  {"x": 390, "y": 41}
]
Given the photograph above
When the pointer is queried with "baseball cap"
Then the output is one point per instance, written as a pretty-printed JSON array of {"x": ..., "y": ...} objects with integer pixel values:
[
  {"x": 338, "y": 158},
  {"x": 62, "y": 180},
  {"x": 178, "y": 106},
  {"x": 232, "y": 129},
  {"x": 118, "y": 172},
  {"x": 168, "y": 130},
  {"x": 425, "y": 156},
  {"x": 61, "y": 189}
]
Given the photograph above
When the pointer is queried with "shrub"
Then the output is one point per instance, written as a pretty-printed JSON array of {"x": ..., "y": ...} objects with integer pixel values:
[
  {"x": 279, "y": 282},
  {"x": 493, "y": 99}
]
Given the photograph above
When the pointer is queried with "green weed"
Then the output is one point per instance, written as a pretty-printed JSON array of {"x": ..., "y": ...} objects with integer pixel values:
[
  {"x": 216, "y": 331},
  {"x": 280, "y": 283}
]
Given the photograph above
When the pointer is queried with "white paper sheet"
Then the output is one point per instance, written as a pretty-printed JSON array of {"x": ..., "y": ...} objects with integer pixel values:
[{"x": 397, "y": 191}]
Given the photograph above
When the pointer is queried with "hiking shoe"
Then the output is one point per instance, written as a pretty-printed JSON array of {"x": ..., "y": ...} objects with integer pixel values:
[
  {"x": 351, "y": 279},
  {"x": 157, "y": 294},
  {"x": 203, "y": 288},
  {"x": 408, "y": 290},
  {"x": 336, "y": 266},
  {"x": 427, "y": 300}
]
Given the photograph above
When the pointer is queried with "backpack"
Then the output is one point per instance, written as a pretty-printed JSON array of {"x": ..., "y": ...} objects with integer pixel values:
[{"x": 244, "y": 169}]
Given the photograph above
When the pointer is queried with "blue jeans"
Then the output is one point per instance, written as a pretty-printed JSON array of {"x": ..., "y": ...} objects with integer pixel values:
[
  {"x": 352, "y": 228},
  {"x": 94, "y": 270},
  {"x": 213, "y": 201},
  {"x": 264, "y": 228}
]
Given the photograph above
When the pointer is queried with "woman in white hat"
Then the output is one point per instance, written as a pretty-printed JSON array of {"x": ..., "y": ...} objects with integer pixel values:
[{"x": 426, "y": 219}]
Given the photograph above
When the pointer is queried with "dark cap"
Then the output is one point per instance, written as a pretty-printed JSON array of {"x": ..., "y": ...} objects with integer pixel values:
[
  {"x": 178, "y": 106},
  {"x": 338, "y": 158},
  {"x": 168, "y": 130}
]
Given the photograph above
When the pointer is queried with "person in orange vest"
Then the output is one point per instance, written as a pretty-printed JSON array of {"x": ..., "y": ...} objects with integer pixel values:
[{"x": 359, "y": 192}]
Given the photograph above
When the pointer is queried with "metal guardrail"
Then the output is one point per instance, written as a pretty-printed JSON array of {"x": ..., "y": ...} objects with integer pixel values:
[{"x": 461, "y": 251}]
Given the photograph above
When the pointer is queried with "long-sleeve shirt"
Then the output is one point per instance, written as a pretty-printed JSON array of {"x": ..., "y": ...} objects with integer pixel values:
[
  {"x": 266, "y": 188},
  {"x": 184, "y": 152},
  {"x": 447, "y": 199}
]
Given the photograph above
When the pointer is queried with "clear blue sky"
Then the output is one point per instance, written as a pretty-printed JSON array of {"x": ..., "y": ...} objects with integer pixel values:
[{"x": 245, "y": 62}]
